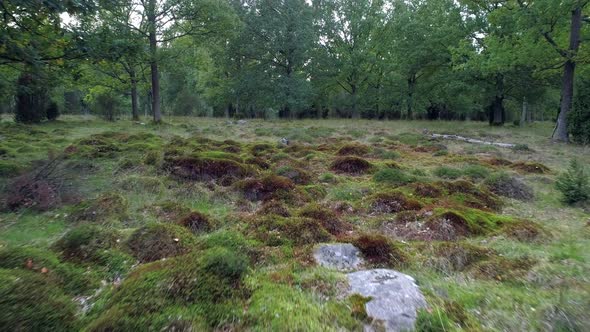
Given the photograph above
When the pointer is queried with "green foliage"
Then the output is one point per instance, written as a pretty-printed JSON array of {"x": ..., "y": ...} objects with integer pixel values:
[
  {"x": 447, "y": 172},
  {"x": 392, "y": 176},
  {"x": 579, "y": 117},
  {"x": 574, "y": 184},
  {"x": 435, "y": 321},
  {"x": 156, "y": 241},
  {"x": 32, "y": 302},
  {"x": 31, "y": 98},
  {"x": 52, "y": 111}
]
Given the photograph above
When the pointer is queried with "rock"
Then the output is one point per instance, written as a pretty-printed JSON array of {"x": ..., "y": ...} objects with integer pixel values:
[
  {"x": 242, "y": 122},
  {"x": 284, "y": 141},
  {"x": 339, "y": 256},
  {"x": 395, "y": 298}
]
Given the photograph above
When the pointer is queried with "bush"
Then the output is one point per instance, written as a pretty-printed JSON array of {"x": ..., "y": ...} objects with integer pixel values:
[
  {"x": 52, "y": 111},
  {"x": 574, "y": 184},
  {"x": 579, "y": 117},
  {"x": 31, "y": 98}
]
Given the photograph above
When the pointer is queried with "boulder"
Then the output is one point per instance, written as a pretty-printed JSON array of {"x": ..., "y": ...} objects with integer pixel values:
[
  {"x": 395, "y": 298},
  {"x": 339, "y": 256}
]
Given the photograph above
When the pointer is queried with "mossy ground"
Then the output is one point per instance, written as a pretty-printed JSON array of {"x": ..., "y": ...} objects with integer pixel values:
[{"x": 230, "y": 218}]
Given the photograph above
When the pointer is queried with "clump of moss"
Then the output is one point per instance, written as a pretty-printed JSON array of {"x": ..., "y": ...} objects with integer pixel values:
[
  {"x": 499, "y": 162},
  {"x": 525, "y": 231},
  {"x": 328, "y": 178},
  {"x": 351, "y": 165},
  {"x": 275, "y": 231},
  {"x": 108, "y": 207},
  {"x": 196, "y": 222},
  {"x": 295, "y": 174},
  {"x": 476, "y": 172},
  {"x": 473, "y": 196},
  {"x": 315, "y": 192},
  {"x": 446, "y": 172},
  {"x": 139, "y": 183},
  {"x": 260, "y": 149},
  {"x": 224, "y": 171},
  {"x": 266, "y": 188},
  {"x": 358, "y": 308},
  {"x": 156, "y": 241},
  {"x": 72, "y": 279},
  {"x": 97, "y": 146},
  {"x": 327, "y": 218},
  {"x": 392, "y": 202},
  {"x": 274, "y": 207},
  {"x": 426, "y": 190},
  {"x": 168, "y": 210},
  {"x": 86, "y": 242},
  {"x": 531, "y": 167},
  {"x": 456, "y": 256},
  {"x": 508, "y": 186},
  {"x": 502, "y": 268},
  {"x": 392, "y": 176},
  {"x": 353, "y": 149},
  {"x": 153, "y": 157},
  {"x": 378, "y": 249},
  {"x": 31, "y": 302}
]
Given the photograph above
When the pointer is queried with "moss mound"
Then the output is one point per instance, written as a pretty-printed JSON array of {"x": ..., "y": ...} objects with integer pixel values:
[
  {"x": 225, "y": 171},
  {"x": 392, "y": 176},
  {"x": 168, "y": 210},
  {"x": 353, "y": 149},
  {"x": 295, "y": 174},
  {"x": 454, "y": 256},
  {"x": 470, "y": 195},
  {"x": 525, "y": 231},
  {"x": 378, "y": 249},
  {"x": 31, "y": 302},
  {"x": 499, "y": 162},
  {"x": 530, "y": 167},
  {"x": 196, "y": 222},
  {"x": 502, "y": 269},
  {"x": 266, "y": 188},
  {"x": 157, "y": 241},
  {"x": 276, "y": 231},
  {"x": 426, "y": 190},
  {"x": 106, "y": 207},
  {"x": 351, "y": 165},
  {"x": 86, "y": 243},
  {"x": 508, "y": 186},
  {"x": 392, "y": 202},
  {"x": 274, "y": 207},
  {"x": 327, "y": 218}
]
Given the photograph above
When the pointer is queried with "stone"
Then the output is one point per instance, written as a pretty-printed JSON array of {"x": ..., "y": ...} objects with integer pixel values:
[
  {"x": 338, "y": 256},
  {"x": 395, "y": 298}
]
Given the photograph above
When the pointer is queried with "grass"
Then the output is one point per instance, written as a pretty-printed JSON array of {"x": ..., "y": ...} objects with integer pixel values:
[{"x": 261, "y": 258}]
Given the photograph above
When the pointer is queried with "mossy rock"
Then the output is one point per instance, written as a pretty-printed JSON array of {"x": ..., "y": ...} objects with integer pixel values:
[
  {"x": 108, "y": 207},
  {"x": 351, "y": 165},
  {"x": 156, "y": 241},
  {"x": 30, "y": 301},
  {"x": 392, "y": 202}
]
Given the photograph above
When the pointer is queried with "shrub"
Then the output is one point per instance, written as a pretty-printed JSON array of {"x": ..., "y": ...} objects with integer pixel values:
[
  {"x": 574, "y": 183},
  {"x": 52, "y": 111},
  {"x": 392, "y": 176},
  {"x": 447, "y": 172},
  {"x": 157, "y": 241},
  {"x": 31, "y": 98},
  {"x": 579, "y": 117},
  {"x": 351, "y": 165},
  {"x": 31, "y": 302}
]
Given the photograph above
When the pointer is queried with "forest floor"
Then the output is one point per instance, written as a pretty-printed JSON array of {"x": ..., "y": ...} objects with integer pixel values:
[{"x": 205, "y": 224}]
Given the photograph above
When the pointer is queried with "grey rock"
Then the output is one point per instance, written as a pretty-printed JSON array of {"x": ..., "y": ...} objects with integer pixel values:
[
  {"x": 339, "y": 256},
  {"x": 395, "y": 298}
]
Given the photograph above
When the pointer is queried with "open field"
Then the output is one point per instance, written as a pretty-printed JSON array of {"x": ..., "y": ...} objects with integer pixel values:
[{"x": 204, "y": 224}]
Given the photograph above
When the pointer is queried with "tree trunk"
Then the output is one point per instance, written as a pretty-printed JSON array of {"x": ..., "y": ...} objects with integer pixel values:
[
  {"x": 567, "y": 88},
  {"x": 355, "y": 112},
  {"x": 151, "y": 16},
  {"x": 134, "y": 103},
  {"x": 523, "y": 115},
  {"x": 498, "y": 115},
  {"x": 410, "y": 96}
]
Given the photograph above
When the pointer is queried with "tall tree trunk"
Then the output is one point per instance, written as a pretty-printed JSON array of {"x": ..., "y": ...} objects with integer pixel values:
[
  {"x": 498, "y": 115},
  {"x": 567, "y": 87},
  {"x": 134, "y": 102},
  {"x": 355, "y": 112},
  {"x": 524, "y": 113},
  {"x": 151, "y": 16},
  {"x": 410, "y": 96}
]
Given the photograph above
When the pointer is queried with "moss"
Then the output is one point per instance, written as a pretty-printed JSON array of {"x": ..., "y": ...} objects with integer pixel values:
[
  {"x": 154, "y": 158},
  {"x": 156, "y": 241},
  {"x": 502, "y": 269},
  {"x": 274, "y": 207},
  {"x": 315, "y": 192},
  {"x": 328, "y": 178},
  {"x": 108, "y": 207},
  {"x": 71, "y": 278},
  {"x": 256, "y": 161},
  {"x": 476, "y": 172},
  {"x": 508, "y": 186},
  {"x": 168, "y": 211},
  {"x": 446, "y": 172},
  {"x": 196, "y": 222},
  {"x": 353, "y": 149},
  {"x": 499, "y": 162},
  {"x": 276, "y": 231},
  {"x": 525, "y": 231},
  {"x": 392, "y": 202},
  {"x": 351, "y": 165},
  {"x": 385, "y": 154},
  {"x": 472, "y": 196},
  {"x": 97, "y": 146},
  {"x": 31, "y": 302},
  {"x": 225, "y": 171},
  {"x": 392, "y": 176},
  {"x": 530, "y": 167},
  {"x": 327, "y": 218},
  {"x": 142, "y": 184},
  {"x": 295, "y": 174},
  {"x": 378, "y": 249},
  {"x": 471, "y": 221},
  {"x": 266, "y": 188},
  {"x": 260, "y": 149},
  {"x": 357, "y": 304},
  {"x": 455, "y": 256},
  {"x": 426, "y": 190}
]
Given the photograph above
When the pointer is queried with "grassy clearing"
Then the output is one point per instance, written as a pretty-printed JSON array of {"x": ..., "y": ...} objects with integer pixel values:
[{"x": 483, "y": 231}]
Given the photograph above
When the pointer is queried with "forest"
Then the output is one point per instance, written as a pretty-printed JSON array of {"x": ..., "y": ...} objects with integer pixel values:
[
  {"x": 294, "y": 165},
  {"x": 498, "y": 61}
]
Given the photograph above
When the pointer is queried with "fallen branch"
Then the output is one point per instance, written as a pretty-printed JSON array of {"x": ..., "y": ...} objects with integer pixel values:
[{"x": 472, "y": 140}]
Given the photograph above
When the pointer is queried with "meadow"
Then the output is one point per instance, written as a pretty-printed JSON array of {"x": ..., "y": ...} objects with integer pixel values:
[{"x": 210, "y": 224}]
